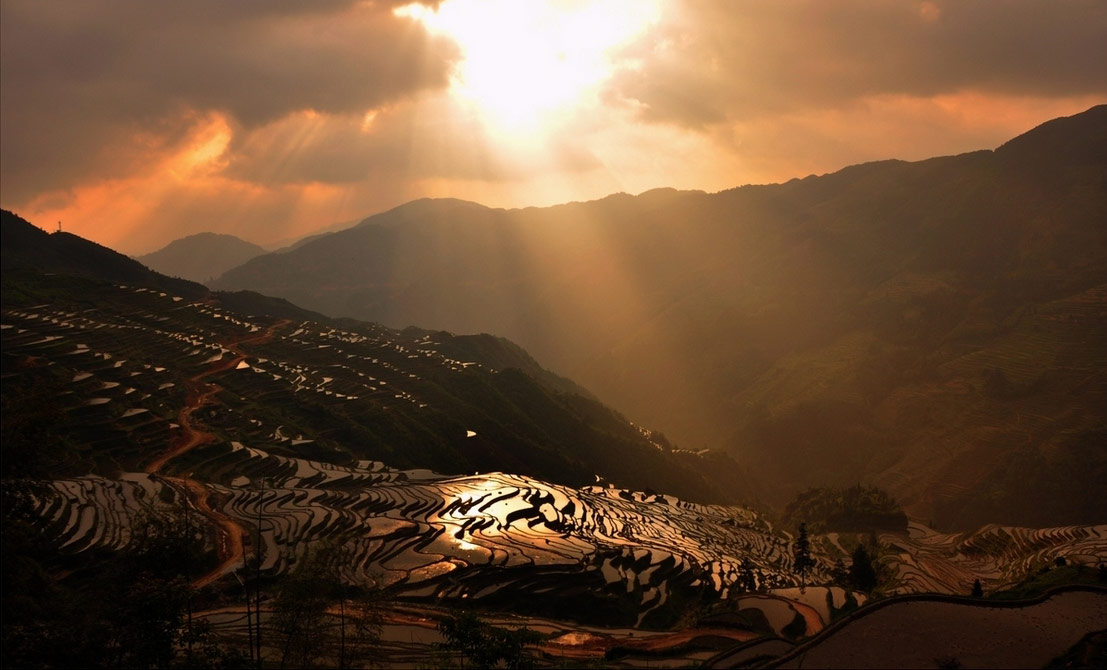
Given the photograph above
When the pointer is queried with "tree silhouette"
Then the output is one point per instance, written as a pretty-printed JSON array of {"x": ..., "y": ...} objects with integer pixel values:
[
  {"x": 862, "y": 574},
  {"x": 129, "y": 608},
  {"x": 749, "y": 581},
  {"x": 299, "y": 611},
  {"x": 977, "y": 589},
  {"x": 840, "y": 574},
  {"x": 305, "y": 633},
  {"x": 801, "y": 551},
  {"x": 486, "y": 646}
]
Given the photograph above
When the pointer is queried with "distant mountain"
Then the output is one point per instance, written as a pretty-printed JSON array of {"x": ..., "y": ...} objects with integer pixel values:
[
  {"x": 281, "y": 248},
  {"x": 201, "y": 257},
  {"x": 341, "y": 391},
  {"x": 936, "y": 328},
  {"x": 290, "y": 243}
]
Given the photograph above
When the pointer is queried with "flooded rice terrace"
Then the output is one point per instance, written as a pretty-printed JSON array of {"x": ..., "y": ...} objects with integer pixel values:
[
  {"x": 510, "y": 542},
  {"x": 500, "y": 537},
  {"x": 428, "y": 536}
]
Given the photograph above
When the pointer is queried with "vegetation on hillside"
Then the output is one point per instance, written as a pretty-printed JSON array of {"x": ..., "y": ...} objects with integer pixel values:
[
  {"x": 127, "y": 609},
  {"x": 856, "y": 509}
]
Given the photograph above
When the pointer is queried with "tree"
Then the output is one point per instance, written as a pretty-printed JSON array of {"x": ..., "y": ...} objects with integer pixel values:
[
  {"x": 485, "y": 645},
  {"x": 204, "y": 651},
  {"x": 300, "y": 608},
  {"x": 855, "y": 509},
  {"x": 299, "y": 611},
  {"x": 977, "y": 589},
  {"x": 748, "y": 580},
  {"x": 862, "y": 574},
  {"x": 840, "y": 574},
  {"x": 118, "y": 609},
  {"x": 148, "y": 621},
  {"x": 801, "y": 553}
]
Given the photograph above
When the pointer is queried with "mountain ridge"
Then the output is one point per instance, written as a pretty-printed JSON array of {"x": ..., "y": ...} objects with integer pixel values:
[
  {"x": 863, "y": 287},
  {"x": 26, "y": 246}
]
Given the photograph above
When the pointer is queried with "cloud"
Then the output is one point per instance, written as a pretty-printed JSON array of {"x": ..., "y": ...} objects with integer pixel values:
[
  {"x": 437, "y": 136},
  {"x": 432, "y": 137},
  {"x": 90, "y": 88},
  {"x": 136, "y": 122},
  {"x": 708, "y": 63}
]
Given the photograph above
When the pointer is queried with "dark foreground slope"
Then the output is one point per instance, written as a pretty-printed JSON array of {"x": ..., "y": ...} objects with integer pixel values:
[
  {"x": 98, "y": 370},
  {"x": 25, "y": 246},
  {"x": 935, "y": 327},
  {"x": 922, "y": 632}
]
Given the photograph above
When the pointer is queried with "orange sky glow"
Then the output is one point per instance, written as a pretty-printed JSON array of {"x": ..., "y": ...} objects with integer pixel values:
[{"x": 274, "y": 121}]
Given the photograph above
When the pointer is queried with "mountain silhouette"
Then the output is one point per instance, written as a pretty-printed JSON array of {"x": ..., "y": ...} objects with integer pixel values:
[
  {"x": 934, "y": 327},
  {"x": 25, "y": 246},
  {"x": 201, "y": 257}
]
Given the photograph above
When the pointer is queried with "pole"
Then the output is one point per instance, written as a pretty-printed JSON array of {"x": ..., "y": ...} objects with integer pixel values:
[
  {"x": 188, "y": 568},
  {"x": 342, "y": 625},
  {"x": 257, "y": 572},
  {"x": 249, "y": 622}
]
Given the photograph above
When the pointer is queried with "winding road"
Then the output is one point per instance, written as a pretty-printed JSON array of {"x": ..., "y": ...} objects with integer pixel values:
[{"x": 230, "y": 533}]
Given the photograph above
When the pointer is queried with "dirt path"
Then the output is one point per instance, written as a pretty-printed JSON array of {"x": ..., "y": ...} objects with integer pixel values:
[
  {"x": 229, "y": 532},
  {"x": 199, "y": 394}
]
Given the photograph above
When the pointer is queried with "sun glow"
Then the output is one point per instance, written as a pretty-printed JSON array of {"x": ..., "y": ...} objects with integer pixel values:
[{"x": 524, "y": 63}]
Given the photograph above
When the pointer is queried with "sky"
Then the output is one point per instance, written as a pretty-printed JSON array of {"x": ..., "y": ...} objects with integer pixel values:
[{"x": 135, "y": 123}]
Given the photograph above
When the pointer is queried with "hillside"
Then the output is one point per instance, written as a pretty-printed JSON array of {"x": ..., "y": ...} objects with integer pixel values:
[
  {"x": 346, "y": 391},
  {"x": 935, "y": 328},
  {"x": 131, "y": 414},
  {"x": 25, "y": 246},
  {"x": 201, "y": 257}
]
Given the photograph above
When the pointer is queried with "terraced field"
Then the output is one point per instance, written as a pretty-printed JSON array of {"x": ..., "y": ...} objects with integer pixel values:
[
  {"x": 459, "y": 537},
  {"x": 496, "y": 537},
  {"x": 926, "y": 561},
  {"x": 124, "y": 361},
  {"x": 178, "y": 404},
  {"x": 225, "y": 396}
]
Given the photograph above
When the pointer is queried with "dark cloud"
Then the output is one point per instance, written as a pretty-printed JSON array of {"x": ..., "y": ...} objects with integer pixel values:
[
  {"x": 708, "y": 62},
  {"x": 89, "y": 86}
]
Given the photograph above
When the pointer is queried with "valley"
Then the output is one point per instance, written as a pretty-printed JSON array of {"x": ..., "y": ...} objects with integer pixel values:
[
  {"x": 933, "y": 327},
  {"x": 594, "y": 566}
]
